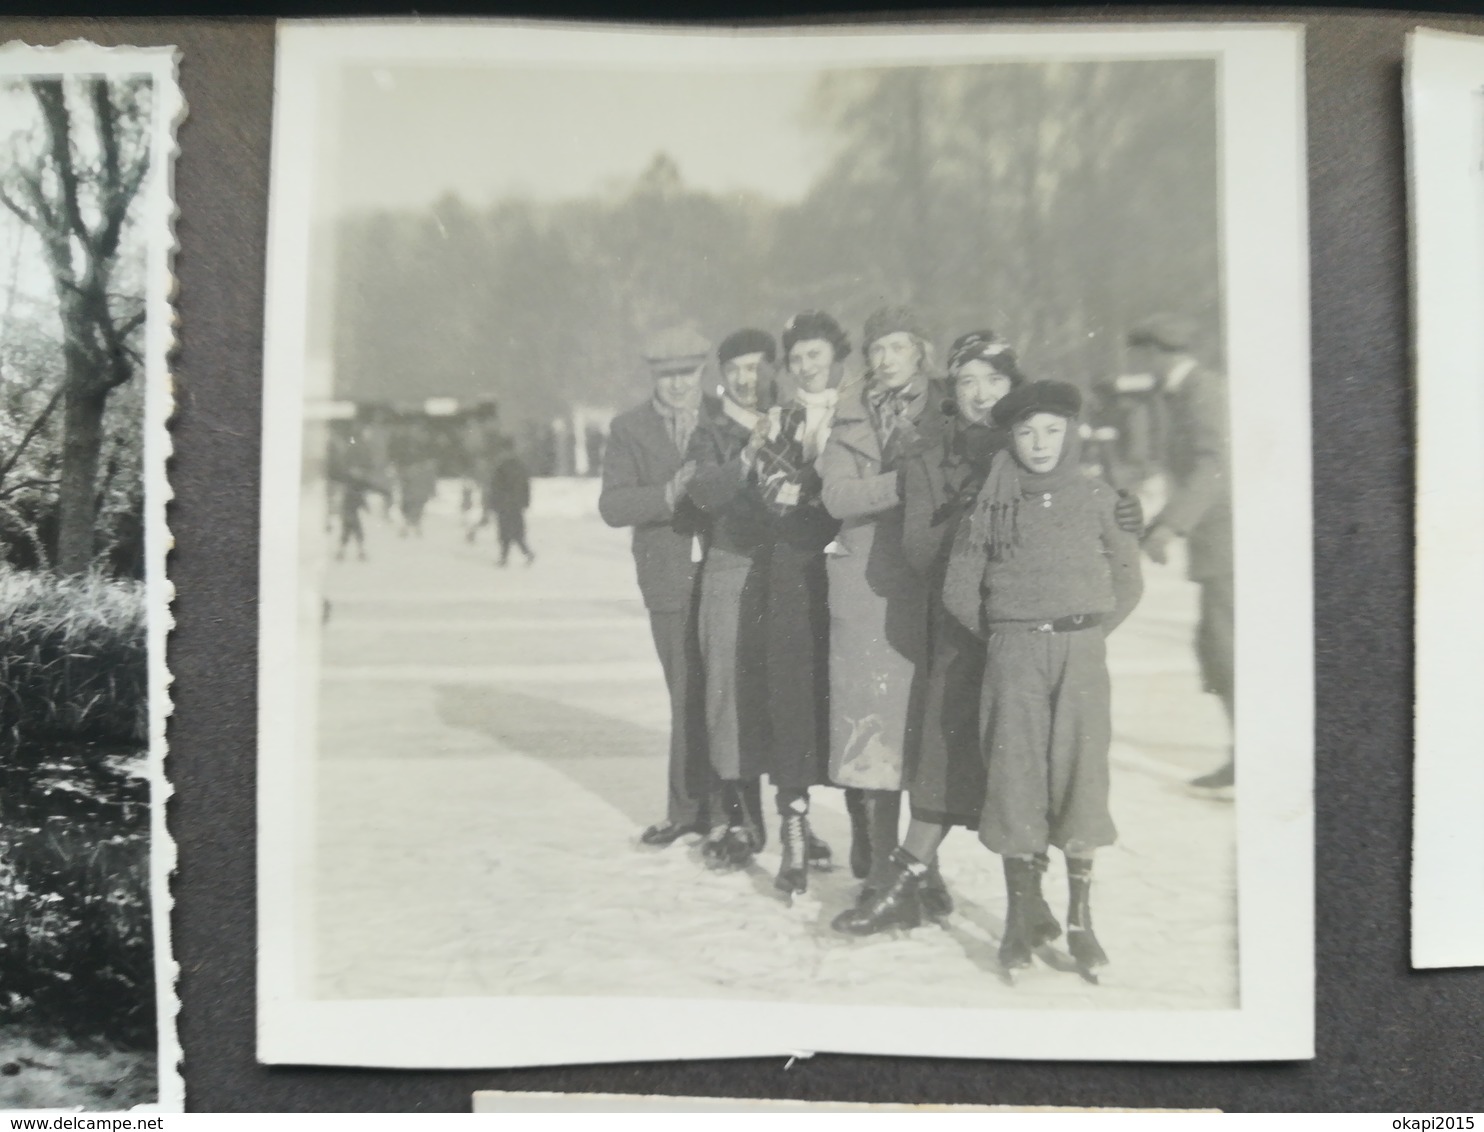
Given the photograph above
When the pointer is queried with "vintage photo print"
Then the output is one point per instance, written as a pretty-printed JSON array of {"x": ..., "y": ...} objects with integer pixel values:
[
  {"x": 1445, "y": 153},
  {"x": 87, "y": 982},
  {"x": 785, "y": 539}
]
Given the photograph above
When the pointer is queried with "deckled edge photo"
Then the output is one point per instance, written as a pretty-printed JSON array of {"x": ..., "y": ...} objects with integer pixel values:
[
  {"x": 1445, "y": 156},
  {"x": 159, "y": 214}
]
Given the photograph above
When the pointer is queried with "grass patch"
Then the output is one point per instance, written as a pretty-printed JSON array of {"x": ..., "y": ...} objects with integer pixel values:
[
  {"x": 76, "y": 949},
  {"x": 72, "y": 659}
]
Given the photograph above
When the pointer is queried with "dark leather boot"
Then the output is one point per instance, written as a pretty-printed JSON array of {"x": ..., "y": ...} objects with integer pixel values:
[
  {"x": 860, "y": 833},
  {"x": 1028, "y": 919},
  {"x": 895, "y": 905},
  {"x": 936, "y": 901},
  {"x": 1081, "y": 942}
]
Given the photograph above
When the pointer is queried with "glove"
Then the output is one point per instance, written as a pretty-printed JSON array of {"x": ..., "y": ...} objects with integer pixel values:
[{"x": 1128, "y": 512}]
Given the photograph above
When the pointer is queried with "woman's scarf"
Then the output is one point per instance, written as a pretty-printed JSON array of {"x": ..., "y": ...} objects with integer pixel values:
[
  {"x": 819, "y": 412},
  {"x": 891, "y": 409},
  {"x": 747, "y": 418},
  {"x": 994, "y": 527}
]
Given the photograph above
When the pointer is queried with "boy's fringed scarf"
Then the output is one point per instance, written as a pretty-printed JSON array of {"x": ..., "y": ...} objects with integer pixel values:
[{"x": 994, "y": 527}]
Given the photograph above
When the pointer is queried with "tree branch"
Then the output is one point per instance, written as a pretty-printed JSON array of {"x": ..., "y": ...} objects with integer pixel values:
[
  {"x": 53, "y": 102},
  {"x": 36, "y": 426}
]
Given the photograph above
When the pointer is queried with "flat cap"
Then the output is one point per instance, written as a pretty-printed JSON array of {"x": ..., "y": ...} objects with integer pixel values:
[
  {"x": 676, "y": 349},
  {"x": 1165, "y": 331},
  {"x": 748, "y": 340},
  {"x": 1037, "y": 397}
]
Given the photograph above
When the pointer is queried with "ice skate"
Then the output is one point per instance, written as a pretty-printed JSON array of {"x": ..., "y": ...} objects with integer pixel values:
[
  {"x": 937, "y": 903},
  {"x": 714, "y": 847},
  {"x": 897, "y": 905},
  {"x": 793, "y": 870},
  {"x": 1220, "y": 785},
  {"x": 821, "y": 856},
  {"x": 1029, "y": 921},
  {"x": 1083, "y": 944},
  {"x": 668, "y": 832}
]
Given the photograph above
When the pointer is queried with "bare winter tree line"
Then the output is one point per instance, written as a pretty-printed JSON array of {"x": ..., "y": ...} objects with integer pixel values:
[
  {"x": 71, "y": 484},
  {"x": 1055, "y": 202}
]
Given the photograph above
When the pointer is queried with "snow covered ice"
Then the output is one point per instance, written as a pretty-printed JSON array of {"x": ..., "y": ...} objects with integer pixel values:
[{"x": 492, "y": 741}]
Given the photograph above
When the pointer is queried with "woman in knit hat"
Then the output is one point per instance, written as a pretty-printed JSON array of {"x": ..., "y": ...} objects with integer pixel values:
[
  {"x": 796, "y": 623},
  {"x": 940, "y": 483},
  {"x": 878, "y": 603},
  {"x": 1043, "y": 572}
]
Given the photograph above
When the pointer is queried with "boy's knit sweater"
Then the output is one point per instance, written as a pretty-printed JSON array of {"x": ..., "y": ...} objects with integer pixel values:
[{"x": 1070, "y": 558}]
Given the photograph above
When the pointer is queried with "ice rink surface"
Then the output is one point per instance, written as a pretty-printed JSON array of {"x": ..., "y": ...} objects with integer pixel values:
[{"x": 492, "y": 741}]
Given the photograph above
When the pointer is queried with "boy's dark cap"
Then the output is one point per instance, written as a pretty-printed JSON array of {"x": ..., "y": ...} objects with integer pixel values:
[
  {"x": 1172, "y": 332},
  {"x": 1037, "y": 397},
  {"x": 748, "y": 340}
]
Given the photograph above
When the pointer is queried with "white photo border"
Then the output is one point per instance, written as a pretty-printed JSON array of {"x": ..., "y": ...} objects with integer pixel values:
[
  {"x": 160, "y": 63},
  {"x": 1265, "y": 250},
  {"x": 1445, "y": 148}
]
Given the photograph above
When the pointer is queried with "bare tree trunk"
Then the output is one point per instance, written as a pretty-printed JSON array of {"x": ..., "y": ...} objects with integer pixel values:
[{"x": 82, "y": 442}]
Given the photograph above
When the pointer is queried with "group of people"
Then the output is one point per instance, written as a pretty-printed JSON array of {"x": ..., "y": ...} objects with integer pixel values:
[
  {"x": 399, "y": 462},
  {"x": 903, "y": 584}
]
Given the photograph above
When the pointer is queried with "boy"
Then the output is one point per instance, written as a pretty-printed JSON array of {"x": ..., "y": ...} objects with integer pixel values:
[{"x": 1043, "y": 573}]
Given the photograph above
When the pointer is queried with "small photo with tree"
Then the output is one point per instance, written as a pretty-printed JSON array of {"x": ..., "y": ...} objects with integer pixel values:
[{"x": 86, "y": 1006}]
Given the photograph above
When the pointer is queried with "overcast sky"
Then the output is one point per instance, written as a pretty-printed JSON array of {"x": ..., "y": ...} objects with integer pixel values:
[{"x": 410, "y": 135}]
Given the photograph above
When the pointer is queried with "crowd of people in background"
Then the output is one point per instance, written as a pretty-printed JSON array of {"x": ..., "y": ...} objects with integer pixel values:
[
  {"x": 901, "y": 584},
  {"x": 398, "y": 459}
]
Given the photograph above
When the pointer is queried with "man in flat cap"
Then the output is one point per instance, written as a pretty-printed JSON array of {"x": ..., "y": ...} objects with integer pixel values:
[
  {"x": 646, "y": 477},
  {"x": 1197, "y": 468}
]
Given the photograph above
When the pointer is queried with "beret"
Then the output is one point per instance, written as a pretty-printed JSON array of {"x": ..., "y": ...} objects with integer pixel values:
[
  {"x": 1166, "y": 331},
  {"x": 806, "y": 326},
  {"x": 1055, "y": 397},
  {"x": 749, "y": 340},
  {"x": 676, "y": 349}
]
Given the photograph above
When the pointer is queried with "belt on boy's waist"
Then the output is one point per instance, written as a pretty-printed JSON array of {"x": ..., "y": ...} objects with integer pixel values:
[{"x": 1070, "y": 624}]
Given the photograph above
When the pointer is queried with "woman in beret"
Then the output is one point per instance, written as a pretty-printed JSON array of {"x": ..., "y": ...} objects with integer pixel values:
[
  {"x": 733, "y": 585},
  {"x": 796, "y": 623}
]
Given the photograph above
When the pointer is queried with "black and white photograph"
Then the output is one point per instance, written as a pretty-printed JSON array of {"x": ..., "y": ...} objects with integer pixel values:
[
  {"x": 785, "y": 539},
  {"x": 1445, "y": 154},
  {"x": 87, "y": 997}
]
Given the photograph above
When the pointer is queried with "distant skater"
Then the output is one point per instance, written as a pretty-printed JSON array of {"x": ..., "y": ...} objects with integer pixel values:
[
  {"x": 417, "y": 482},
  {"x": 509, "y": 494}
]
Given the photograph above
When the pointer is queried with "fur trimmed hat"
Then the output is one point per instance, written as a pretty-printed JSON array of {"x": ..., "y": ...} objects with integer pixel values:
[
  {"x": 806, "y": 326},
  {"x": 891, "y": 320},
  {"x": 1055, "y": 397},
  {"x": 748, "y": 340}
]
